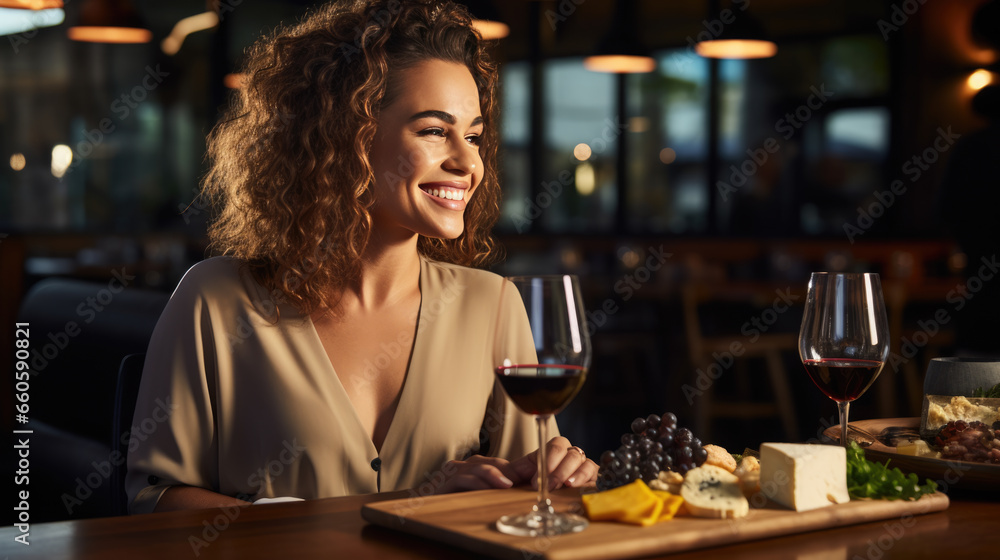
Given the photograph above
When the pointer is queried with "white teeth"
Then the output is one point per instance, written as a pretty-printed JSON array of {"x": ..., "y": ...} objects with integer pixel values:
[{"x": 447, "y": 194}]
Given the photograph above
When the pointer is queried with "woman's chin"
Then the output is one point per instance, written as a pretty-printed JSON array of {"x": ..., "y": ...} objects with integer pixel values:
[
  {"x": 445, "y": 236},
  {"x": 445, "y": 231}
]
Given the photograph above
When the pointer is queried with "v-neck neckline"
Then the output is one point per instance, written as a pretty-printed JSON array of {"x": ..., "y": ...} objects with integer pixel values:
[{"x": 402, "y": 405}]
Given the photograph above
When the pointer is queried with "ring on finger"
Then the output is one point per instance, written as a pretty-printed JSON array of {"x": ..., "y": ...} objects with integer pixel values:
[{"x": 578, "y": 450}]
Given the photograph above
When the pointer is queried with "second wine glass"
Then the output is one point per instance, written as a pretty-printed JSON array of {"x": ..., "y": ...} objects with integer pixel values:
[
  {"x": 542, "y": 352},
  {"x": 844, "y": 339}
]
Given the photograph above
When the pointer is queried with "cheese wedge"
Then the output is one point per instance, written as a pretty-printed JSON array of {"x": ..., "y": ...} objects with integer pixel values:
[
  {"x": 804, "y": 477},
  {"x": 710, "y": 491}
]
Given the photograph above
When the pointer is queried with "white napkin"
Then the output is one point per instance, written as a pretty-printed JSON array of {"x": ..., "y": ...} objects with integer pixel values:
[{"x": 277, "y": 500}]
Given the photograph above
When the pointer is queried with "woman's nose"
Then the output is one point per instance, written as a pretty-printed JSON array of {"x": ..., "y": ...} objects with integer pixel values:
[{"x": 462, "y": 160}]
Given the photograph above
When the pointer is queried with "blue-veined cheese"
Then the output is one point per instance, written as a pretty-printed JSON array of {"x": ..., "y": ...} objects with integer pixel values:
[
  {"x": 803, "y": 477},
  {"x": 710, "y": 491}
]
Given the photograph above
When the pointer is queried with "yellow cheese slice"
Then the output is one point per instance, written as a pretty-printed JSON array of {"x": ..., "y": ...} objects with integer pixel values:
[
  {"x": 632, "y": 500},
  {"x": 671, "y": 504}
]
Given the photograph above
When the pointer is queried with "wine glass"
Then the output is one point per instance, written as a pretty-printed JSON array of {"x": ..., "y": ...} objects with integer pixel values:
[
  {"x": 844, "y": 339},
  {"x": 542, "y": 352}
]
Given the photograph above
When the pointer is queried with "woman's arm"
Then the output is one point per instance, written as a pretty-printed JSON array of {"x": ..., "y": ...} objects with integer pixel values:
[{"x": 190, "y": 497}]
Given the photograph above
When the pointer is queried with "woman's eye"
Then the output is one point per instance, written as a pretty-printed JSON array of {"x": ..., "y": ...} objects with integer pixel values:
[
  {"x": 432, "y": 132},
  {"x": 473, "y": 139}
]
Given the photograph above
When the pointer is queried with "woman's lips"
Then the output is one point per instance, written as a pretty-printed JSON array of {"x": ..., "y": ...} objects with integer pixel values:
[{"x": 446, "y": 194}]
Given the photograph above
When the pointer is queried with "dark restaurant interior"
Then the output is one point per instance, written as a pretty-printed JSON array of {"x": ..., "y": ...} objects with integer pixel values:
[{"x": 693, "y": 196}]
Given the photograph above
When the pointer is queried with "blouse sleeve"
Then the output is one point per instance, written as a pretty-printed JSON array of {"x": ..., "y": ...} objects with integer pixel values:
[
  {"x": 173, "y": 431},
  {"x": 513, "y": 433}
]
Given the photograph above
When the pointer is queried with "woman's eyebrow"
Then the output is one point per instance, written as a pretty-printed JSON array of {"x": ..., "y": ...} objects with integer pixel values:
[{"x": 442, "y": 115}]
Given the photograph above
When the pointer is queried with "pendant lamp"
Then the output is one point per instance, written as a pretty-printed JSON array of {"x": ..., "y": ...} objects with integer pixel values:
[{"x": 109, "y": 21}]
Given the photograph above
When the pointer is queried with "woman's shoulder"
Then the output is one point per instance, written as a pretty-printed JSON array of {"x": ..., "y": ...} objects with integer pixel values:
[
  {"x": 219, "y": 280},
  {"x": 211, "y": 272}
]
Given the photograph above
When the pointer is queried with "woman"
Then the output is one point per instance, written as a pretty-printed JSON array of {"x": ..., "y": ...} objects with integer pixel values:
[{"x": 341, "y": 346}]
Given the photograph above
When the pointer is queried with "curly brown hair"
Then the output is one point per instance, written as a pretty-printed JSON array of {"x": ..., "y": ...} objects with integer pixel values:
[{"x": 290, "y": 174}]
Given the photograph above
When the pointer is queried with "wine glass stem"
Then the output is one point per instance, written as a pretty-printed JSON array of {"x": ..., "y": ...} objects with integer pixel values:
[
  {"x": 543, "y": 479},
  {"x": 844, "y": 406}
]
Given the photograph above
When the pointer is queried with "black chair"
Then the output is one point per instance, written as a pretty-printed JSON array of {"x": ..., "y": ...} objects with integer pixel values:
[
  {"x": 126, "y": 391},
  {"x": 80, "y": 330}
]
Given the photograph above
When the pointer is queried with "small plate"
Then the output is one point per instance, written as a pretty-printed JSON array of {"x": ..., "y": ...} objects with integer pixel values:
[{"x": 949, "y": 474}]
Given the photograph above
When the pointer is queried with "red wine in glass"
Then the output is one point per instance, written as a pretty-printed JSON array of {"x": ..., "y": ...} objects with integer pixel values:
[
  {"x": 844, "y": 338},
  {"x": 541, "y": 389},
  {"x": 542, "y": 352},
  {"x": 842, "y": 380}
]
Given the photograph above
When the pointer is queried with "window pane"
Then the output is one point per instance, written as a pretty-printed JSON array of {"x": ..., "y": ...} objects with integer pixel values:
[
  {"x": 515, "y": 131},
  {"x": 668, "y": 143},
  {"x": 578, "y": 194}
]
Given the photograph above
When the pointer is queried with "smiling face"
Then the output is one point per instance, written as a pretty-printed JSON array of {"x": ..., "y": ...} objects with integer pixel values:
[{"x": 425, "y": 155}]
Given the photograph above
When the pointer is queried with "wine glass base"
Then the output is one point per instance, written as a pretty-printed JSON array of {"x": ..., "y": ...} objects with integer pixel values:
[{"x": 537, "y": 524}]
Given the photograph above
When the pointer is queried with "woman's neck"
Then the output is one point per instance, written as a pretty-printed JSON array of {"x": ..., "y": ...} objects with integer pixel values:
[{"x": 390, "y": 270}]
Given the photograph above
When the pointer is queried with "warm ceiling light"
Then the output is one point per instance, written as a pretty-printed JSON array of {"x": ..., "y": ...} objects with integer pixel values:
[
  {"x": 741, "y": 38},
  {"x": 118, "y": 35},
  {"x": 618, "y": 63},
  {"x": 109, "y": 21},
  {"x": 235, "y": 81},
  {"x": 582, "y": 151},
  {"x": 979, "y": 79},
  {"x": 31, "y": 4},
  {"x": 490, "y": 29},
  {"x": 487, "y": 20},
  {"x": 191, "y": 24},
  {"x": 736, "y": 48},
  {"x": 621, "y": 51}
]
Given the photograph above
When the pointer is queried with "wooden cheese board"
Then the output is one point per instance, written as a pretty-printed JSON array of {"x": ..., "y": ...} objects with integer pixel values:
[{"x": 466, "y": 520}]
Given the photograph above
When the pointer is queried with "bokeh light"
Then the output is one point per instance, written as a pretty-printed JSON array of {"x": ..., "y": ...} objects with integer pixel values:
[
  {"x": 980, "y": 79},
  {"x": 586, "y": 182},
  {"x": 582, "y": 152},
  {"x": 62, "y": 156},
  {"x": 17, "y": 161}
]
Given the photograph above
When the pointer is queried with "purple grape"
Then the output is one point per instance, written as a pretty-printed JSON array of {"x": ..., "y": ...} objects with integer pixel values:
[
  {"x": 683, "y": 436},
  {"x": 607, "y": 457},
  {"x": 653, "y": 420},
  {"x": 684, "y": 454},
  {"x": 645, "y": 447},
  {"x": 638, "y": 425},
  {"x": 700, "y": 455}
]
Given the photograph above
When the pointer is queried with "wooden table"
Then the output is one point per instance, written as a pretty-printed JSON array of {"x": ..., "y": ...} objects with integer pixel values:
[{"x": 333, "y": 528}]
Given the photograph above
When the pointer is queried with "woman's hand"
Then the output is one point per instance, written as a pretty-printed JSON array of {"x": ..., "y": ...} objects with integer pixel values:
[
  {"x": 568, "y": 465},
  {"x": 477, "y": 473}
]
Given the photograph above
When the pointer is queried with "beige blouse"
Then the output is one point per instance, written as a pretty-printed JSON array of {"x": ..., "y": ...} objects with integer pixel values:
[{"x": 255, "y": 408}]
